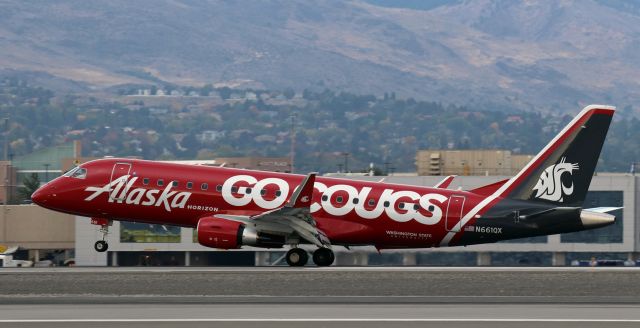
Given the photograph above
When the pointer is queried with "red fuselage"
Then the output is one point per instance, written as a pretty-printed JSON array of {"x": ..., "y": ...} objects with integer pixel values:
[{"x": 349, "y": 212}]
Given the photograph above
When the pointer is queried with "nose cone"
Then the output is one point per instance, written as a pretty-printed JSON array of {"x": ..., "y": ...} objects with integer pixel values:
[{"x": 41, "y": 196}]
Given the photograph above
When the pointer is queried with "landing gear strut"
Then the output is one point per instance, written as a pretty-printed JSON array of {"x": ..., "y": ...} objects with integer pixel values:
[
  {"x": 102, "y": 245},
  {"x": 323, "y": 257},
  {"x": 297, "y": 257}
]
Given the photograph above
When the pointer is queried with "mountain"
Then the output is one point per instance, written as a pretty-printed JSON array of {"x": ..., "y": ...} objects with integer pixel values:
[{"x": 542, "y": 55}]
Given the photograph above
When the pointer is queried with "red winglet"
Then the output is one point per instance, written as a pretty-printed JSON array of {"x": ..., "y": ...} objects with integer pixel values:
[{"x": 304, "y": 193}]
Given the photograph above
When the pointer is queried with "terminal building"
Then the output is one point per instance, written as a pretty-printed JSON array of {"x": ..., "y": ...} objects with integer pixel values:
[{"x": 470, "y": 162}]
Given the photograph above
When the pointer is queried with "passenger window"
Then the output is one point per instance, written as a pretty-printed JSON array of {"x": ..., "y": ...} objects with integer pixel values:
[
  {"x": 372, "y": 202},
  {"x": 204, "y": 186},
  {"x": 234, "y": 189},
  {"x": 416, "y": 207},
  {"x": 219, "y": 188},
  {"x": 431, "y": 208},
  {"x": 278, "y": 193},
  {"x": 174, "y": 183},
  {"x": 386, "y": 204},
  {"x": 339, "y": 199},
  {"x": 355, "y": 201},
  {"x": 145, "y": 181},
  {"x": 401, "y": 205},
  {"x": 247, "y": 191},
  {"x": 160, "y": 182},
  {"x": 189, "y": 185},
  {"x": 325, "y": 198},
  {"x": 263, "y": 192}
]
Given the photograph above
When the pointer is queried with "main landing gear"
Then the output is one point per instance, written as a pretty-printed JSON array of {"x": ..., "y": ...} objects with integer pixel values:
[
  {"x": 102, "y": 245},
  {"x": 323, "y": 257},
  {"x": 299, "y": 257}
]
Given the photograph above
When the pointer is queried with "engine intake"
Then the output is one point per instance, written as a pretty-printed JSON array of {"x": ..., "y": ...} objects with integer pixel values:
[{"x": 227, "y": 234}]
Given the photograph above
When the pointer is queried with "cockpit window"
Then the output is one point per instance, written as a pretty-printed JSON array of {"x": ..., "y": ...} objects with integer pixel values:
[
  {"x": 70, "y": 172},
  {"x": 80, "y": 173}
]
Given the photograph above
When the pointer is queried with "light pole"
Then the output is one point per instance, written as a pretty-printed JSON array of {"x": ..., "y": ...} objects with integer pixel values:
[
  {"x": 346, "y": 162},
  {"x": 387, "y": 165},
  {"x": 6, "y": 139},
  {"x": 293, "y": 141},
  {"x": 46, "y": 172}
]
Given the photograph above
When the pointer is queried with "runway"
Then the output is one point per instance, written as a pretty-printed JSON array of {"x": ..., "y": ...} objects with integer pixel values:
[
  {"x": 322, "y": 315},
  {"x": 326, "y": 297}
]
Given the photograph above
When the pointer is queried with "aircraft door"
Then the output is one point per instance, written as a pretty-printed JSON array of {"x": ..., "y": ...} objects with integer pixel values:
[
  {"x": 119, "y": 171},
  {"x": 454, "y": 213}
]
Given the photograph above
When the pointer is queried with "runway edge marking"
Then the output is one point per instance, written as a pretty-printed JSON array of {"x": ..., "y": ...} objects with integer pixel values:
[{"x": 322, "y": 320}]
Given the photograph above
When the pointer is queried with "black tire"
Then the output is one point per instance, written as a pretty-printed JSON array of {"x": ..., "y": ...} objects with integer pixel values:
[
  {"x": 101, "y": 246},
  {"x": 323, "y": 257},
  {"x": 297, "y": 257}
]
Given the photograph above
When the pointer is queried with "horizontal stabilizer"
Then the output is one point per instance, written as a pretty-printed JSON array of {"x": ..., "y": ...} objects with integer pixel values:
[
  {"x": 489, "y": 189},
  {"x": 602, "y": 209},
  {"x": 445, "y": 182}
]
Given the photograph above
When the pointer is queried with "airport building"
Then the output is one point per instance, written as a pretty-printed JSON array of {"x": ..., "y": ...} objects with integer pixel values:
[{"x": 470, "y": 162}]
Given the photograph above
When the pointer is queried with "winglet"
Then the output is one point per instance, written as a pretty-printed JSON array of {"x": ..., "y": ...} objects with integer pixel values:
[
  {"x": 304, "y": 192},
  {"x": 445, "y": 182}
]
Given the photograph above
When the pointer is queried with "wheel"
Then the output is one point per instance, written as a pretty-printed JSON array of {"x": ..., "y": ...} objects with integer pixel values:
[
  {"x": 101, "y": 246},
  {"x": 297, "y": 257},
  {"x": 323, "y": 257}
]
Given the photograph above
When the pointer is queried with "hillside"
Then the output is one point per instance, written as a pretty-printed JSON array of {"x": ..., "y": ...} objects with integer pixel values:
[{"x": 487, "y": 54}]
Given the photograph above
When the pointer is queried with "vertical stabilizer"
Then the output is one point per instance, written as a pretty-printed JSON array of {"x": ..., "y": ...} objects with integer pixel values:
[{"x": 561, "y": 173}]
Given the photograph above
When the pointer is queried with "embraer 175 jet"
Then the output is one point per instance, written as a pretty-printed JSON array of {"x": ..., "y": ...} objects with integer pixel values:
[{"x": 231, "y": 208}]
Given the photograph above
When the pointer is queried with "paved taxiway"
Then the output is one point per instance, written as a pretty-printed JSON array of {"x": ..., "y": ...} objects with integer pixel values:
[{"x": 327, "y": 297}]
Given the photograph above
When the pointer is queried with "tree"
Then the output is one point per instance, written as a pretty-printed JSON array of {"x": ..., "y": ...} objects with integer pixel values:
[
  {"x": 206, "y": 90},
  {"x": 289, "y": 93},
  {"x": 225, "y": 93},
  {"x": 31, "y": 184}
]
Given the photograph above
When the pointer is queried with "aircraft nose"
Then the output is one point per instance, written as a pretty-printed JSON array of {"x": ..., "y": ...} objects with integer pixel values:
[{"x": 41, "y": 195}]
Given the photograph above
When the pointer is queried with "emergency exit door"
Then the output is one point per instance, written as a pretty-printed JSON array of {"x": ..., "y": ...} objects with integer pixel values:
[
  {"x": 120, "y": 172},
  {"x": 454, "y": 213}
]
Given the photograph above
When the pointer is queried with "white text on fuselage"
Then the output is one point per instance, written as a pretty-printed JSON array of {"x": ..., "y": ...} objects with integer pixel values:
[
  {"x": 119, "y": 190},
  {"x": 391, "y": 198}
]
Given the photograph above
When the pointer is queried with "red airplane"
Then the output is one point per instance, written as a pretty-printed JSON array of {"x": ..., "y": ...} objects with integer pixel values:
[{"x": 231, "y": 208}]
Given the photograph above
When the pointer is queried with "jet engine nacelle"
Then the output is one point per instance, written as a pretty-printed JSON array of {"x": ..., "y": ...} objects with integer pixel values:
[{"x": 227, "y": 234}]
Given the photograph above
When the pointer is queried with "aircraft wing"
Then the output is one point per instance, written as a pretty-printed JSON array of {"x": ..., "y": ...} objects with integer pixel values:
[{"x": 294, "y": 216}]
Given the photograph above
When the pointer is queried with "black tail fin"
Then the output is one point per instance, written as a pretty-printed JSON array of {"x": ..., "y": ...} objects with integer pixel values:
[{"x": 561, "y": 173}]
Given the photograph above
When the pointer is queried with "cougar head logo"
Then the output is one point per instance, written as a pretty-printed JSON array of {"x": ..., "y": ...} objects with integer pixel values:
[{"x": 550, "y": 186}]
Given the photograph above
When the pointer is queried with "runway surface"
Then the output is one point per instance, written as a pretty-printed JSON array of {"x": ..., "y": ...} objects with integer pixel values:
[{"x": 320, "y": 297}]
